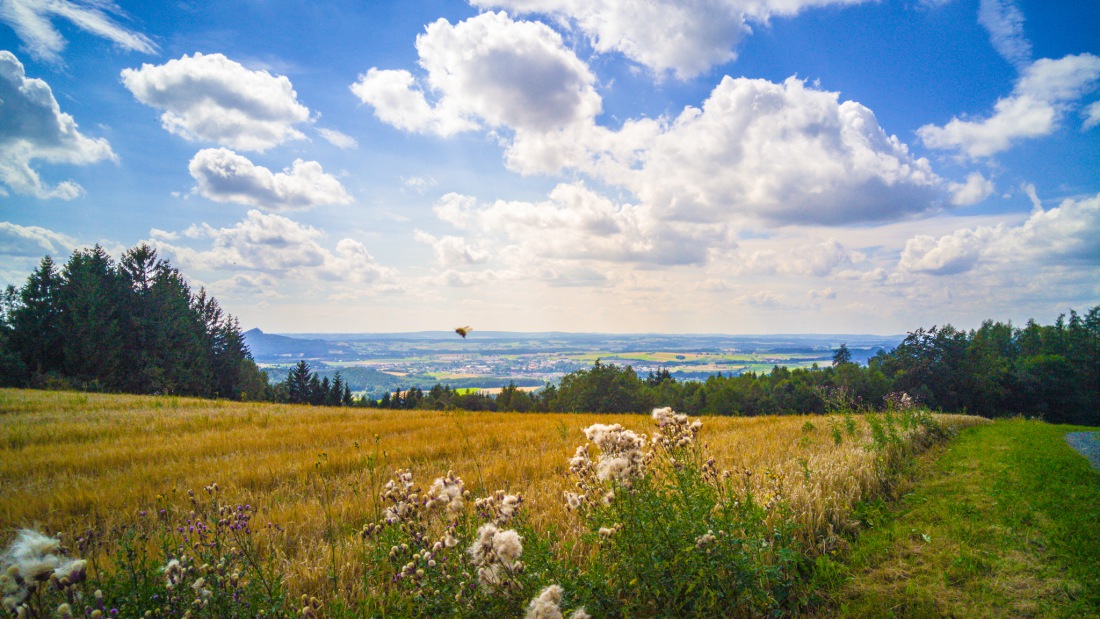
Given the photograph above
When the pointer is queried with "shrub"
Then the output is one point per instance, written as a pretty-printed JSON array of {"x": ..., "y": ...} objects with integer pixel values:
[
  {"x": 673, "y": 535},
  {"x": 196, "y": 561}
]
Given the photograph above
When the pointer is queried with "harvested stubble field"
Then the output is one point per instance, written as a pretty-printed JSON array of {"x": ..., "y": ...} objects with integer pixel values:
[{"x": 70, "y": 461}]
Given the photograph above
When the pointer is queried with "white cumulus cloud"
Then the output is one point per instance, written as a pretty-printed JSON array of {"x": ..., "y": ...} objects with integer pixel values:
[
  {"x": 33, "y": 127},
  {"x": 783, "y": 153},
  {"x": 225, "y": 176},
  {"x": 1046, "y": 90},
  {"x": 947, "y": 255},
  {"x": 1092, "y": 115},
  {"x": 275, "y": 245},
  {"x": 574, "y": 224},
  {"x": 398, "y": 101},
  {"x": 32, "y": 22},
  {"x": 685, "y": 37},
  {"x": 974, "y": 190},
  {"x": 485, "y": 71},
  {"x": 33, "y": 241},
  {"x": 452, "y": 251},
  {"x": 212, "y": 98},
  {"x": 1064, "y": 235}
]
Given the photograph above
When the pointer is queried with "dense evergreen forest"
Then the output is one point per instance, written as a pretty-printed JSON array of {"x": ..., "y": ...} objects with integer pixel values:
[
  {"x": 1051, "y": 372},
  {"x": 134, "y": 326}
]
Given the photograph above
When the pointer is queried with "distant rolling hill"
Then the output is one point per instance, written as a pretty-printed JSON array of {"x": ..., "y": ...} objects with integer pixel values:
[{"x": 271, "y": 348}]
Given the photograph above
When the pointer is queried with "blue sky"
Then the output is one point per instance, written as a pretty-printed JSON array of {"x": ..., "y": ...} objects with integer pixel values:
[{"x": 722, "y": 166}]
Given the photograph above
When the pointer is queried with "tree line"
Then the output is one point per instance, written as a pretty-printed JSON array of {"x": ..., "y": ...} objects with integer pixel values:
[
  {"x": 132, "y": 326},
  {"x": 136, "y": 326},
  {"x": 303, "y": 385},
  {"x": 1050, "y": 371},
  {"x": 1046, "y": 371}
]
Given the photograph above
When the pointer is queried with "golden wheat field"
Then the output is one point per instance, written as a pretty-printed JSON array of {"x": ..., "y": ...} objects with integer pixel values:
[{"x": 69, "y": 461}]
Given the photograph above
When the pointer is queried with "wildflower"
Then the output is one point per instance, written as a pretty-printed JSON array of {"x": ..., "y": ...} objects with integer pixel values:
[
  {"x": 900, "y": 400},
  {"x": 447, "y": 491},
  {"x": 545, "y": 606},
  {"x": 621, "y": 451},
  {"x": 574, "y": 501},
  {"x": 173, "y": 573},
  {"x": 450, "y": 541},
  {"x": 705, "y": 539},
  {"x": 581, "y": 462},
  {"x": 508, "y": 507},
  {"x": 200, "y": 591},
  {"x": 72, "y": 572},
  {"x": 498, "y": 508},
  {"x": 674, "y": 430},
  {"x": 396, "y": 512},
  {"x": 496, "y": 553},
  {"x": 34, "y": 558}
]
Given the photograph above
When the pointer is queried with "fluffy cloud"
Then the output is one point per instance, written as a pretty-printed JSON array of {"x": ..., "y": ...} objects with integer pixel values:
[
  {"x": 686, "y": 38},
  {"x": 225, "y": 176},
  {"x": 1065, "y": 235},
  {"x": 275, "y": 245},
  {"x": 452, "y": 251},
  {"x": 1092, "y": 115},
  {"x": 33, "y": 127},
  {"x": 974, "y": 190},
  {"x": 576, "y": 224},
  {"x": 947, "y": 255},
  {"x": 212, "y": 98},
  {"x": 755, "y": 150},
  {"x": 31, "y": 20},
  {"x": 1042, "y": 96},
  {"x": 485, "y": 71},
  {"x": 784, "y": 153},
  {"x": 398, "y": 101},
  {"x": 1005, "y": 23},
  {"x": 33, "y": 241}
]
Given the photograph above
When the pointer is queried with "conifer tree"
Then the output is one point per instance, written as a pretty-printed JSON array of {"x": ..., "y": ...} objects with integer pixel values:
[
  {"x": 91, "y": 316},
  {"x": 35, "y": 320}
]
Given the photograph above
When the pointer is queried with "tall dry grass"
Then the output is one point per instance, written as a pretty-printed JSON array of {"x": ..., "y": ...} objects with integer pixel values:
[{"x": 69, "y": 461}]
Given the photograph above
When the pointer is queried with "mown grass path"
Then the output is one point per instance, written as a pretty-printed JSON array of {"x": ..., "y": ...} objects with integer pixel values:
[{"x": 1003, "y": 522}]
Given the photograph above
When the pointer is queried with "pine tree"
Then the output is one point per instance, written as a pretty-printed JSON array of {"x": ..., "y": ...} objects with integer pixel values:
[
  {"x": 92, "y": 301},
  {"x": 316, "y": 391},
  {"x": 336, "y": 391},
  {"x": 297, "y": 383},
  {"x": 35, "y": 320}
]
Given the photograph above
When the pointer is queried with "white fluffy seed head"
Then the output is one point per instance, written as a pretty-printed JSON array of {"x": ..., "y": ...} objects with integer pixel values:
[{"x": 545, "y": 606}]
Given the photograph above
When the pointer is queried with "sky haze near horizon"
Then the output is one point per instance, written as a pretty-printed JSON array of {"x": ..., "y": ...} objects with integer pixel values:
[{"x": 646, "y": 166}]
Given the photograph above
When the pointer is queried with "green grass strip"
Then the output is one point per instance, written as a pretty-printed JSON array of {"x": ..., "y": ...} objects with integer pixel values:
[{"x": 1004, "y": 523}]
